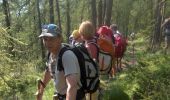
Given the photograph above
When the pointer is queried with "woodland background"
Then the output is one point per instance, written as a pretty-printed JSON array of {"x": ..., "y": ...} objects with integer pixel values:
[{"x": 22, "y": 55}]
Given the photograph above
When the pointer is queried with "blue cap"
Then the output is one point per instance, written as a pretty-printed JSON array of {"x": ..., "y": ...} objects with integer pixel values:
[{"x": 50, "y": 30}]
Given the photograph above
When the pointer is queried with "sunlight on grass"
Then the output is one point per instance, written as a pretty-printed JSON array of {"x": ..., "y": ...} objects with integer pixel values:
[
  {"x": 132, "y": 88},
  {"x": 122, "y": 76},
  {"x": 153, "y": 68},
  {"x": 49, "y": 91}
]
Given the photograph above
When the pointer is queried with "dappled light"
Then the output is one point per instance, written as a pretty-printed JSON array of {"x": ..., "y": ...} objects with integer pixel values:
[{"x": 123, "y": 43}]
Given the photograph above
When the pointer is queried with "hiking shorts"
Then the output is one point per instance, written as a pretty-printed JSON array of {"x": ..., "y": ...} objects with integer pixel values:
[{"x": 167, "y": 42}]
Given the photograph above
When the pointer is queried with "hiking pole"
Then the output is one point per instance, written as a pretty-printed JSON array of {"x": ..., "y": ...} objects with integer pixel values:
[
  {"x": 55, "y": 97},
  {"x": 37, "y": 94}
]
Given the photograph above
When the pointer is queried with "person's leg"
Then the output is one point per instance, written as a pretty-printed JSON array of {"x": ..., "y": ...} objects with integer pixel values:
[
  {"x": 80, "y": 95},
  {"x": 92, "y": 96},
  {"x": 168, "y": 44}
]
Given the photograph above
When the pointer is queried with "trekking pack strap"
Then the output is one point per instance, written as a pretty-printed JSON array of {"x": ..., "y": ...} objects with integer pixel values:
[
  {"x": 108, "y": 69},
  {"x": 80, "y": 59},
  {"x": 60, "y": 64},
  {"x": 75, "y": 51},
  {"x": 95, "y": 44},
  {"x": 79, "y": 53}
]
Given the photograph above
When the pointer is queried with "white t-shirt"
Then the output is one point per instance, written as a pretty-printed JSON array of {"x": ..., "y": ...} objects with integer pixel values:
[{"x": 71, "y": 66}]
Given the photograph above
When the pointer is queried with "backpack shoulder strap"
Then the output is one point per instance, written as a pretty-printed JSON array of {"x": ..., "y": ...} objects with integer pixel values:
[
  {"x": 95, "y": 44},
  {"x": 77, "y": 53},
  {"x": 60, "y": 64},
  {"x": 84, "y": 57}
]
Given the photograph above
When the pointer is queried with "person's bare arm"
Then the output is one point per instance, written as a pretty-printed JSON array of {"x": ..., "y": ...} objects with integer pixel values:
[{"x": 72, "y": 87}]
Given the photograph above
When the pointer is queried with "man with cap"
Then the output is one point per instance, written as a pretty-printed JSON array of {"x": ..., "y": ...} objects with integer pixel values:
[{"x": 67, "y": 81}]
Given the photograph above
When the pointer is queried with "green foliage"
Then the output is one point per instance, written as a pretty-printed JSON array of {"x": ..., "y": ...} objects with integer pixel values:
[
  {"x": 154, "y": 81},
  {"x": 22, "y": 66},
  {"x": 149, "y": 78},
  {"x": 115, "y": 93},
  {"x": 17, "y": 72}
]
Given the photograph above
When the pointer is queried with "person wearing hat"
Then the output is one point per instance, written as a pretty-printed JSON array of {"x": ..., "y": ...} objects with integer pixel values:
[
  {"x": 67, "y": 81},
  {"x": 114, "y": 28},
  {"x": 106, "y": 44},
  {"x": 76, "y": 37}
]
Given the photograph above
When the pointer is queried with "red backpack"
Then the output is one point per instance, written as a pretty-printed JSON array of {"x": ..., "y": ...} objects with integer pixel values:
[
  {"x": 121, "y": 43},
  {"x": 106, "y": 49}
]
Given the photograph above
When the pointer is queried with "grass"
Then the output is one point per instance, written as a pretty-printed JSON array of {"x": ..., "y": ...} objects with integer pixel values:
[{"x": 147, "y": 80}]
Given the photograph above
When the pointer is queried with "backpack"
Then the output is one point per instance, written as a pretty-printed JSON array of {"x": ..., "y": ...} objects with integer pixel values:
[
  {"x": 106, "y": 49},
  {"x": 88, "y": 67},
  {"x": 121, "y": 44}
]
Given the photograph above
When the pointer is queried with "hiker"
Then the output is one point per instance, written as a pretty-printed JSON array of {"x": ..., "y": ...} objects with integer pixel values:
[
  {"x": 166, "y": 26},
  {"x": 87, "y": 31},
  {"x": 106, "y": 51},
  {"x": 67, "y": 82},
  {"x": 114, "y": 28},
  {"x": 120, "y": 43},
  {"x": 76, "y": 37}
]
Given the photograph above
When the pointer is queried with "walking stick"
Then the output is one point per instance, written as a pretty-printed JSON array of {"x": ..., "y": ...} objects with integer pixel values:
[{"x": 37, "y": 94}]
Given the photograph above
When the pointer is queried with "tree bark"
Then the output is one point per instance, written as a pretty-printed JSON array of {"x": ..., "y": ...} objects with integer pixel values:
[
  {"x": 82, "y": 11},
  {"x": 39, "y": 30},
  {"x": 94, "y": 13},
  {"x": 51, "y": 11},
  {"x": 68, "y": 20},
  {"x": 108, "y": 14},
  {"x": 7, "y": 13},
  {"x": 100, "y": 12},
  {"x": 104, "y": 11},
  {"x": 163, "y": 16},
  {"x": 58, "y": 14},
  {"x": 157, "y": 29},
  {"x": 8, "y": 25}
]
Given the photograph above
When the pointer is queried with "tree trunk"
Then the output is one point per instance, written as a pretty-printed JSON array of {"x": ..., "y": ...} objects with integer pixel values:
[
  {"x": 157, "y": 29},
  {"x": 8, "y": 25},
  {"x": 93, "y": 9},
  {"x": 7, "y": 13},
  {"x": 108, "y": 14},
  {"x": 68, "y": 21},
  {"x": 163, "y": 15},
  {"x": 82, "y": 11},
  {"x": 39, "y": 30},
  {"x": 51, "y": 11},
  {"x": 100, "y": 12},
  {"x": 104, "y": 11},
  {"x": 58, "y": 14}
]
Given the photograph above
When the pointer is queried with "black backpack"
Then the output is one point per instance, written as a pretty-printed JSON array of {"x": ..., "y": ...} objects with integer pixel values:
[{"x": 88, "y": 67}]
